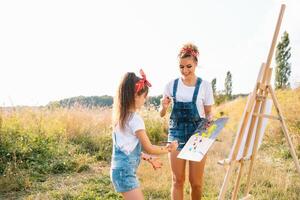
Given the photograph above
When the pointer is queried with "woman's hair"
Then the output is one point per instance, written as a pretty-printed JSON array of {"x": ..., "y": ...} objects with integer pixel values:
[
  {"x": 124, "y": 100},
  {"x": 189, "y": 50}
]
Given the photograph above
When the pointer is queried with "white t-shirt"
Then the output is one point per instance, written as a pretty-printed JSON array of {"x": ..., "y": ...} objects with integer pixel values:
[
  {"x": 185, "y": 94},
  {"x": 126, "y": 139}
]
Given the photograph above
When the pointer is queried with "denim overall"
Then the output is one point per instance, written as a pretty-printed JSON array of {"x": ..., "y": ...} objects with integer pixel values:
[
  {"x": 123, "y": 167},
  {"x": 184, "y": 118}
]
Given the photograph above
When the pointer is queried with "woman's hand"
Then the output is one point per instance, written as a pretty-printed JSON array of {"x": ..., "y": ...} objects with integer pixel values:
[
  {"x": 208, "y": 113},
  {"x": 165, "y": 102},
  {"x": 172, "y": 146},
  {"x": 209, "y": 117}
]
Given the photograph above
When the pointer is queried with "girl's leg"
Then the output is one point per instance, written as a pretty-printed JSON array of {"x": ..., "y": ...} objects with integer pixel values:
[
  {"x": 196, "y": 171},
  {"x": 178, "y": 175},
  {"x": 135, "y": 194}
]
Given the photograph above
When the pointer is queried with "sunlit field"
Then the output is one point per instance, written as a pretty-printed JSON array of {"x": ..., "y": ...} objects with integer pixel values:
[{"x": 59, "y": 153}]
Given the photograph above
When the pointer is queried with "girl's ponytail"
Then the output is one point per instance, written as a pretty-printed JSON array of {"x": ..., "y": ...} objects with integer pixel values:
[{"x": 124, "y": 100}]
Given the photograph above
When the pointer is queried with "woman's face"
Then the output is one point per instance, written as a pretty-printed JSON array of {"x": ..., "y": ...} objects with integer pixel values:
[{"x": 187, "y": 67}]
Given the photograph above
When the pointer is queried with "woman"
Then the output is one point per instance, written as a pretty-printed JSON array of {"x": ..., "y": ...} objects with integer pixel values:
[{"x": 192, "y": 100}]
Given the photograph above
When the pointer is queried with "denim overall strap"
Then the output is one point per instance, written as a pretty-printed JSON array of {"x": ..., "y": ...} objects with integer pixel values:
[
  {"x": 120, "y": 159},
  {"x": 196, "y": 91},
  {"x": 115, "y": 140},
  {"x": 175, "y": 89},
  {"x": 184, "y": 117},
  {"x": 123, "y": 167}
]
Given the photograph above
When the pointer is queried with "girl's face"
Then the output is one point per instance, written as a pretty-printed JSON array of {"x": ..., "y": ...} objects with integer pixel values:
[
  {"x": 187, "y": 67},
  {"x": 140, "y": 100}
]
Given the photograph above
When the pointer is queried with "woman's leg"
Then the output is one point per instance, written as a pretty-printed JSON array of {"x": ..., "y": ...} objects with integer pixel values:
[
  {"x": 196, "y": 171},
  {"x": 178, "y": 175},
  {"x": 133, "y": 194}
]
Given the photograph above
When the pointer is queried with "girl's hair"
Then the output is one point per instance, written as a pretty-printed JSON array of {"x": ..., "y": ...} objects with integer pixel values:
[
  {"x": 124, "y": 100},
  {"x": 189, "y": 50}
]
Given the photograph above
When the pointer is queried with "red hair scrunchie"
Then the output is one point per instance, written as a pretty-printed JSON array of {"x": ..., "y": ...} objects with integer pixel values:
[
  {"x": 190, "y": 51},
  {"x": 142, "y": 82}
]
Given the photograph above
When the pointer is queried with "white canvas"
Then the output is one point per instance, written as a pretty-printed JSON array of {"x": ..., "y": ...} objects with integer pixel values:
[{"x": 268, "y": 109}]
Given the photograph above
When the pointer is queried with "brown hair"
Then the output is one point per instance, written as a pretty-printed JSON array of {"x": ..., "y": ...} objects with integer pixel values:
[
  {"x": 125, "y": 98},
  {"x": 189, "y": 50}
]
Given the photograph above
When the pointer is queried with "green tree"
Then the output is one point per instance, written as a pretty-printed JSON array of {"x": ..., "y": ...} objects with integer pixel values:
[
  {"x": 154, "y": 100},
  {"x": 91, "y": 101},
  {"x": 213, "y": 85},
  {"x": 283, "y": 67},
  {"x": 228, "y": 85}
]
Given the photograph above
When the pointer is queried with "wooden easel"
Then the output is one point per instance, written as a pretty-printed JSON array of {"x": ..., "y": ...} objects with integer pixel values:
[{"x": 255, "y": 112}]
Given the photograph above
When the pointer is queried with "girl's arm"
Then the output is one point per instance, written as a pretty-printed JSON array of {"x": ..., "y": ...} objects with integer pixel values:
[
  {"x": 154, "y": 161},
  {"x": 153, "y": 149}
]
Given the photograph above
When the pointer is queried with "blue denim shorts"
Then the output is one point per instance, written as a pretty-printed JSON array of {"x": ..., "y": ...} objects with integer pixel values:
[
  {"x": 182, "y": 133},
  {"x": 124, "y": 179}
]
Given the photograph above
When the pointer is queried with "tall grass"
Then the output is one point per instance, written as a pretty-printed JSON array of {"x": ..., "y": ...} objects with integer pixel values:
[
  {"x": 57, "y": 153},
  {"x": 36, "y": 142},
  {"x": 274, "y": 174}
]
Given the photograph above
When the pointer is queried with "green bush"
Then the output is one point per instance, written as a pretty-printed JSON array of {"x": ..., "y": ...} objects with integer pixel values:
[
  {"x": 285, "y": 154},
  {"x": 155, "y": 130},
  {"x": 156, "y": 194},
  {"x": 83, "y": 168},
  {"x": 105, "y": 149},
  {"x": 99, "y": 188},
  {"x": 87, "y": 143},
  {"x": 25, "y": 150},
  {"x": 14, "y": 179},
  {"x": 62, "y": 166}
]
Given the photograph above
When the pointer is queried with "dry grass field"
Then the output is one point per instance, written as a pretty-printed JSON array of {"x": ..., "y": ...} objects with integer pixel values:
[{"x": 56, "y": 153}]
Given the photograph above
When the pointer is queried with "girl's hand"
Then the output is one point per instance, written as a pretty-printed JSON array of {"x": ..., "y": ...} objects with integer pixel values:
[
  {"x": 155, "y": 162},
  {"x": 165, "y": 102},
  {"x": 172, "y": 146}
]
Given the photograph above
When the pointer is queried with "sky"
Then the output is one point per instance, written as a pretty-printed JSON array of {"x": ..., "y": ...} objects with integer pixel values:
[{"x": 51, "y": 50}]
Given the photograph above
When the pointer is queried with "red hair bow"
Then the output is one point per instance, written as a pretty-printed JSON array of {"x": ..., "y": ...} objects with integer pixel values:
[
  {"x": 190, "y": 51},
  {"x": 142, "y": 82}
]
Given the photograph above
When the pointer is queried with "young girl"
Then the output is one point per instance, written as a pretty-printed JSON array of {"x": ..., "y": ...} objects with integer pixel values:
[{"x": 129, "y": 136}]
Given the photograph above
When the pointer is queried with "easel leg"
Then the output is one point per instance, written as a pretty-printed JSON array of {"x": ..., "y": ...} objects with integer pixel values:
[
  {"x": 236, "y": 147},
  {"x": 255, "y": 145},
  {"x": 249, "y": 176},
  {"x": 225, "y": 182},
  {"x": 237, "y": 181},
  {"x": 285, "y": 130}
]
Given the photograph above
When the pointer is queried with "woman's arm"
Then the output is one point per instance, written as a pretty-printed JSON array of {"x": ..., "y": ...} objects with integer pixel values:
[
  {"x": 153, "y": 149},
  {"x": 208, "y": 112},
  {"x": 164, "y": 104},
  {"x": 162, "y": 111}
]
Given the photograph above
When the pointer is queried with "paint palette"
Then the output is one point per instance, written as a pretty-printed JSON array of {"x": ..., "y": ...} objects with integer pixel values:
[{"x": 204, "y": 136}]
